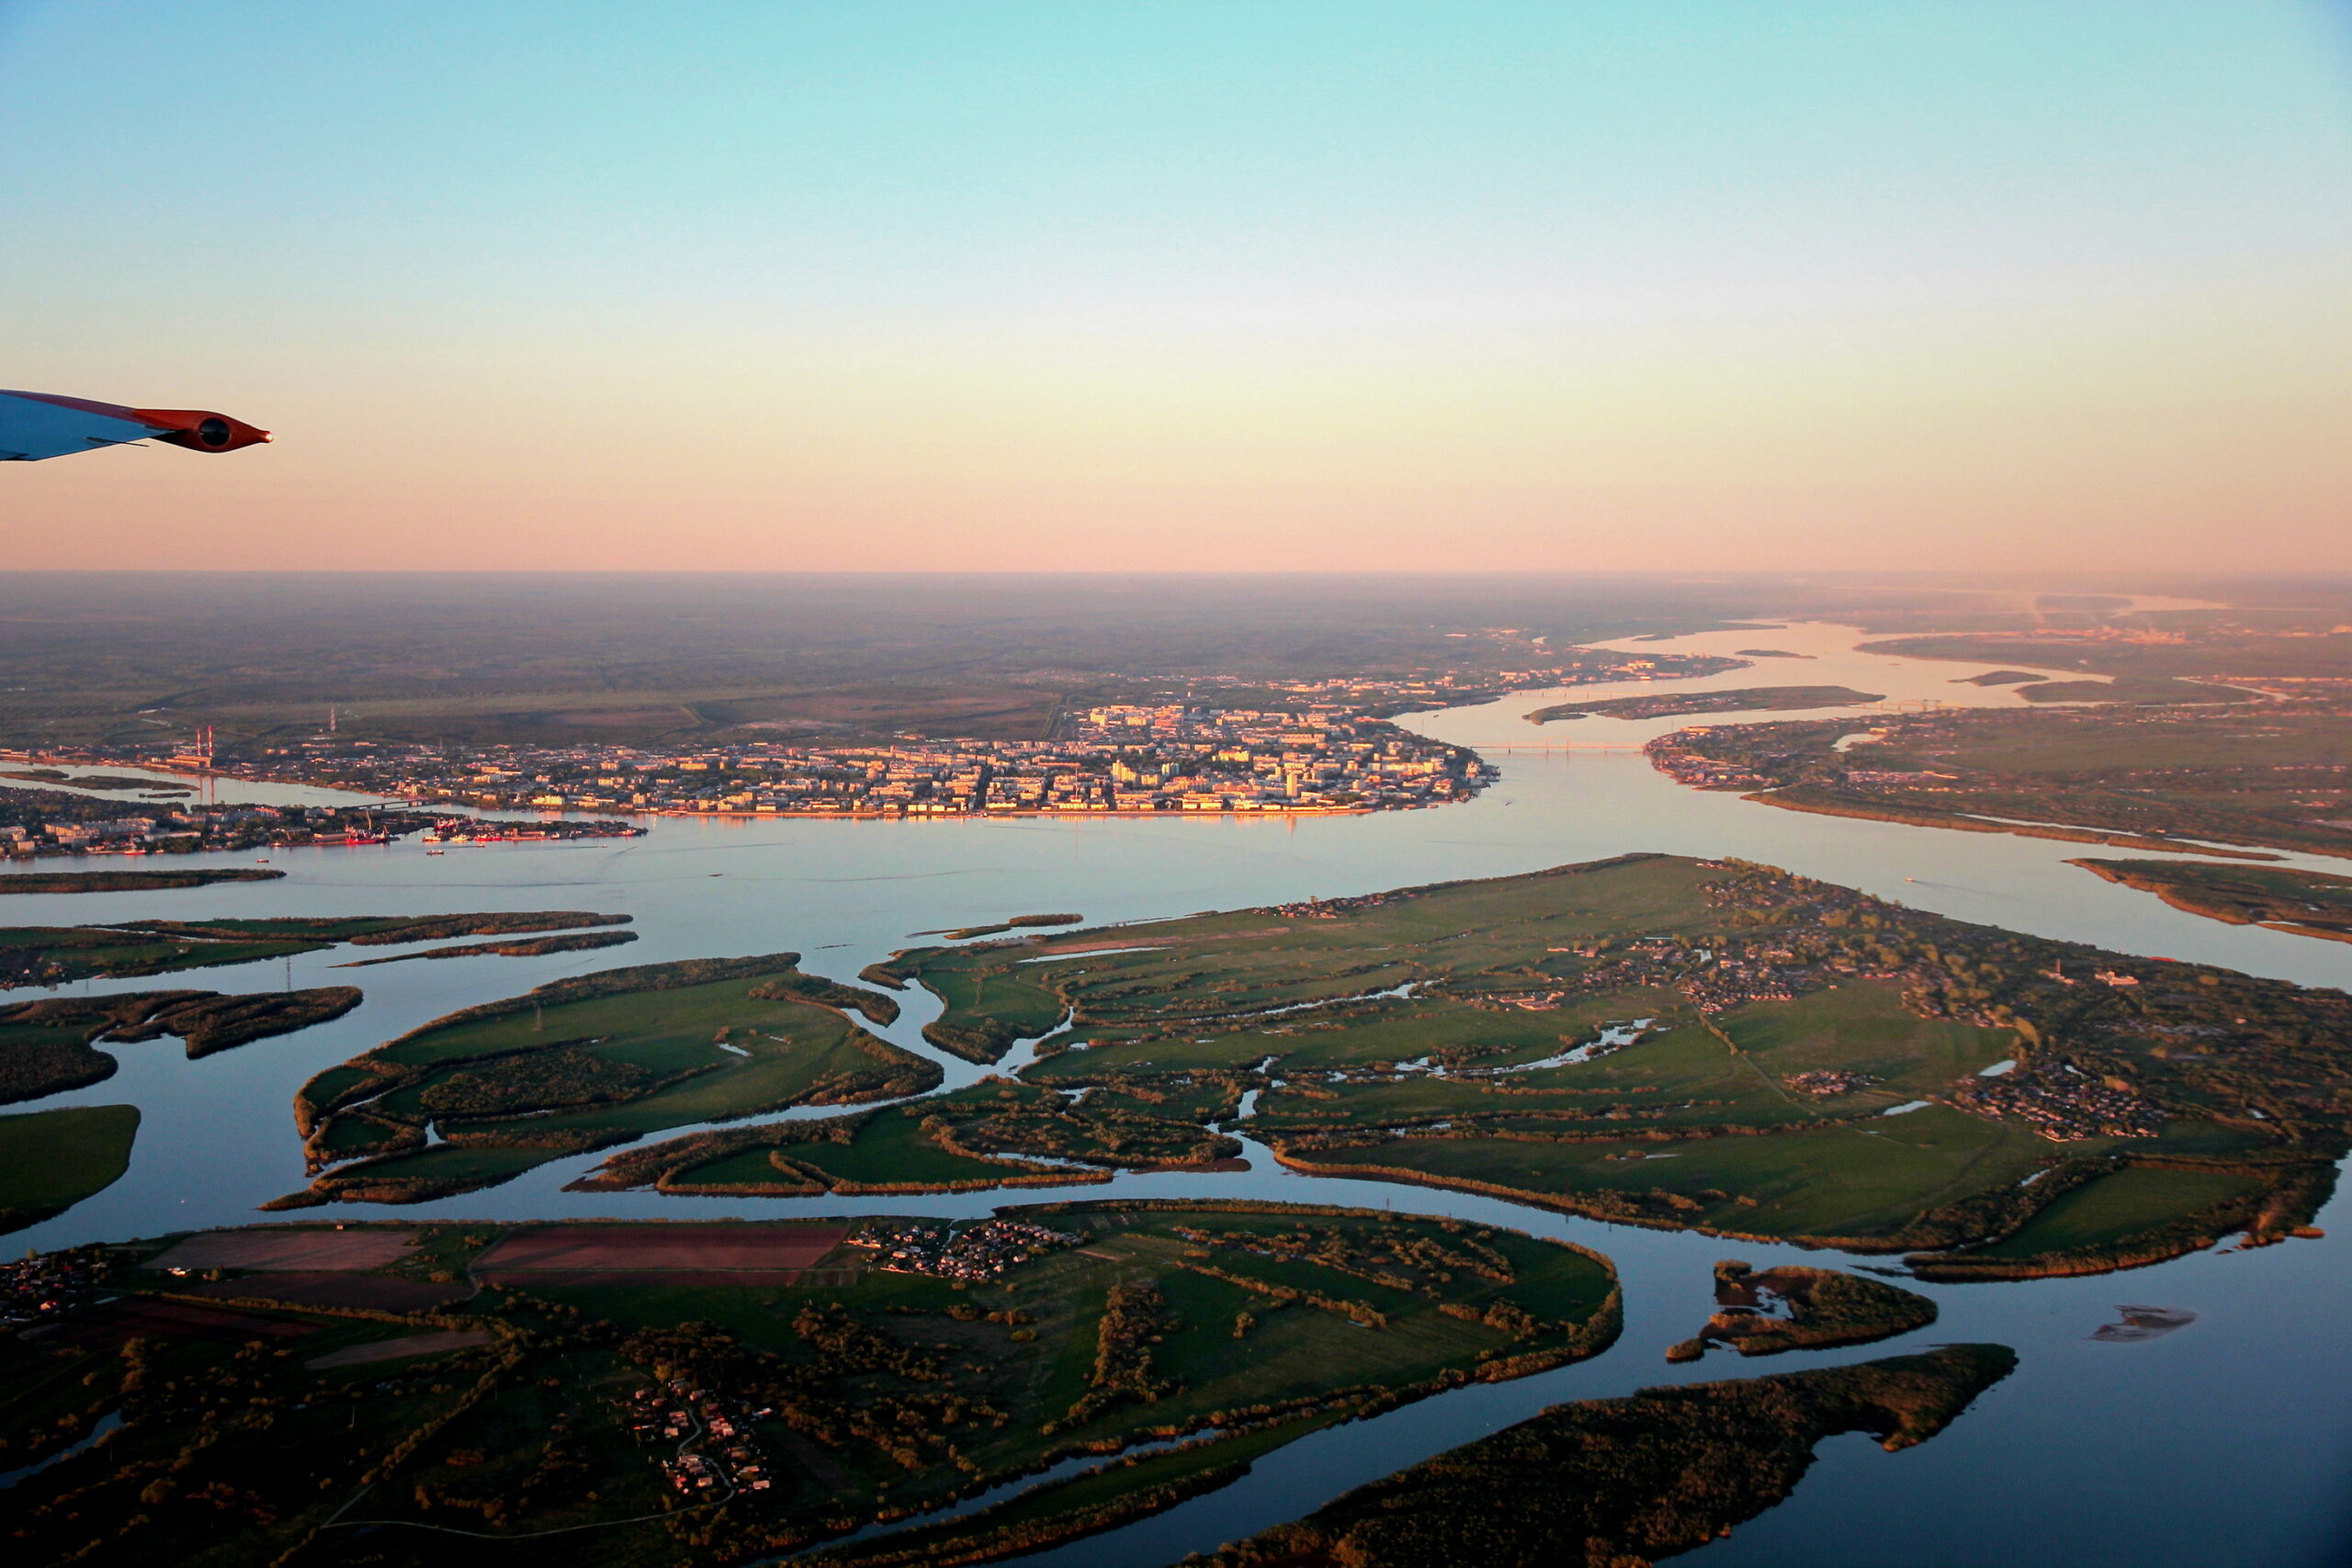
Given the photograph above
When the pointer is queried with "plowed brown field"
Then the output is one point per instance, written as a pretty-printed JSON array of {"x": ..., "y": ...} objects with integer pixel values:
[{"x": 659, "y": 1255}]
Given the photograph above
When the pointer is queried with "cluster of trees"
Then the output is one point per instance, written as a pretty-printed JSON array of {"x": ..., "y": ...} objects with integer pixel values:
[
  {"x": 558, "y": 1077},
  {"x": 1134, "y": 1319},
  {"x": 1606, "y": 1483},
  {"x": 1826, "y": 1307}
]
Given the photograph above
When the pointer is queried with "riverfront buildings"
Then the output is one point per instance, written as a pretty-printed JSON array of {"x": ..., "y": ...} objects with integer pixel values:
[{"x": 1118, "y": 758}]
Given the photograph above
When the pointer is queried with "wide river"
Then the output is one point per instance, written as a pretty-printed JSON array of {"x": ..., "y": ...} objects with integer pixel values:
[{"x": 2228, "y": 1442}]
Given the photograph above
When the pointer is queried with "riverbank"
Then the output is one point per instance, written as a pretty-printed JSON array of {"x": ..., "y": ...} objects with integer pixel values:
[{"x": 2305, "y": 903}]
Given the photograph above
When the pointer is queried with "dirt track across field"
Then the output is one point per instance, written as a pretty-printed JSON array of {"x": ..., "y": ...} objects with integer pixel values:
[{"x": 658, "y": 1255}]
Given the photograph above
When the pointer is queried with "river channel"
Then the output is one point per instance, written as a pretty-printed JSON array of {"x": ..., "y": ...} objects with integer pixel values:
[{"x": 2228, "y": 1442}]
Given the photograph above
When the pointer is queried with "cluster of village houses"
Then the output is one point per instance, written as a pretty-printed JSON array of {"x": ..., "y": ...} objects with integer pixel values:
[
  {"x": 727, "y": 1457},
  {"x": 974, "y": 1253}
]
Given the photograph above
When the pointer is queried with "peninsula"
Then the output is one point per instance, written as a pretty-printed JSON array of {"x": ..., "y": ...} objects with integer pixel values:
[
  {"x": 2307, "y": 903},
  {"x": 1742, "y": 700},
  {"x": 2131, "y": 776}
]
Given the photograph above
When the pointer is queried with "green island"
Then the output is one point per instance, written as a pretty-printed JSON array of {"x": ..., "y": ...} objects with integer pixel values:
[
  {"x": 2180, "y": 778},
  {"x": 2000, "y": 678},
  {"x": 2308, "y": 903},
  {"x": 2134, "y": 689},
  {"x": 1824, "y": 1307},
  {"x": 521, "y": 947},
  {"x": 127, "y": 881},
  {"x": 50, "y": 955},
  {"x": 586, "y": 1063},
  {"x": 1661, "y": 1041},
  {"x": 726, "y": 1392},
  {"x": 1619, "y": 1482},
  {"x": 104, "y": 781},
  {"x": 1746, "y": 699},
  {"x": 50, "y": 1045},
  {"x": 50, "y": 1160},
  {"x": 1013, "y": 922}
]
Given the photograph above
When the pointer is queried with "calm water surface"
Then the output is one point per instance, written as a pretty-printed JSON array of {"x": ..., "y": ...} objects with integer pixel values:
[{"x": 2228, "y": 1442}]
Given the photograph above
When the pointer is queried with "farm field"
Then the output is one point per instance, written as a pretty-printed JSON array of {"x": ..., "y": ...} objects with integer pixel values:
[{"x": 641, "y": 1255}]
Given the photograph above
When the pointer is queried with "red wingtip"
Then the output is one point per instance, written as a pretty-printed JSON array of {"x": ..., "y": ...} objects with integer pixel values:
[{"x": 200, "y": 431}]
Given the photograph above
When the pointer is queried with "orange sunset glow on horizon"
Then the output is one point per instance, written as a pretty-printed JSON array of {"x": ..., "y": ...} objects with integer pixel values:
[{"x": 1393, "y": 287}]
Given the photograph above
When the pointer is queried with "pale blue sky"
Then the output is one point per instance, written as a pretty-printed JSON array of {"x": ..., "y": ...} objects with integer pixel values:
[{"x": 968, "y": 220}]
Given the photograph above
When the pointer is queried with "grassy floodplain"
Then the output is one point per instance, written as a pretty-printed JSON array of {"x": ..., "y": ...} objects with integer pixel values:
[
  {"x": 1684, "y": 1043},
  {"x": 584, "y": 1064},
  {"x": 50, "y": 1160},
  {"x": 1199, "y": 1335}
]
